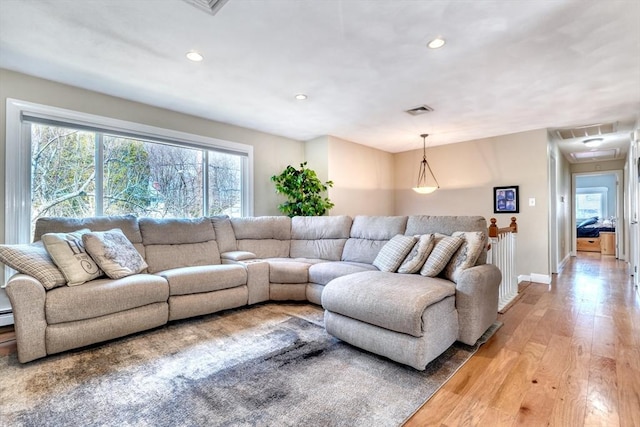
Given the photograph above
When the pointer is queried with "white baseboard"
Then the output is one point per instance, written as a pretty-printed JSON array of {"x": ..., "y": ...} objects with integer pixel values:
[
  {"x": 564, "y": 262},
  {"x": 535, "y": 277}
]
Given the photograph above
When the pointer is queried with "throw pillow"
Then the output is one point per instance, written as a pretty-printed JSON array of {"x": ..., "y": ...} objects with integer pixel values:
[
  {"x": 34, "y": 260},
  {"x": 394, "y": 252},
  {"x": 418, "y": 255},
  {"x": 68, "y": 253},
  {"x": 445, "y": 247},
  {"x": 472, "y": 246},
  {"x": 114, "y": 253}
]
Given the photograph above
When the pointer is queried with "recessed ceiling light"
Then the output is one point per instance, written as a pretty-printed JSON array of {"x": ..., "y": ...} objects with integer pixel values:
[
  {"x": 592, "y": 142},
  {"x": 436, "y": 43},
  {"x": 194, "y": 56},
  {"x": 301, "y": 96}
]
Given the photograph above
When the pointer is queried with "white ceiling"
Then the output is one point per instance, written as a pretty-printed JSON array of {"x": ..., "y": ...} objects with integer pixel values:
[{"x": 508, "y": 66}]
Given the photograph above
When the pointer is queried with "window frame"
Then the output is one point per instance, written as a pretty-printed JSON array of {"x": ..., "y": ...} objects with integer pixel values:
[{"x": 18, "y": 155}]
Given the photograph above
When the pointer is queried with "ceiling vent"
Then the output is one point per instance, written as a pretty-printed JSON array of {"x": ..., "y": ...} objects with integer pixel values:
[
  {"x": 590, "y": 156},
  {"x": 586, "y": 131},
  {"x": 210, "y": 6},
  {"x": 423, "y": 109}
]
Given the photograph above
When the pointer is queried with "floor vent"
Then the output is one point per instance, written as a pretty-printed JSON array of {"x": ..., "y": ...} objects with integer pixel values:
[
  {"x": 586, "y": 131},
  {"x": 423, "y": 109}
]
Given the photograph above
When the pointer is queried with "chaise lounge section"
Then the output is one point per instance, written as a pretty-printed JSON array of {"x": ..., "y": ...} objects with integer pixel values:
[{"x": 201, "y": 266}]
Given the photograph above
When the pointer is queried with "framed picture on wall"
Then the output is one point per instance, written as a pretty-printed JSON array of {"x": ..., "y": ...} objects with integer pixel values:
[{"x": 506, "y": 199}]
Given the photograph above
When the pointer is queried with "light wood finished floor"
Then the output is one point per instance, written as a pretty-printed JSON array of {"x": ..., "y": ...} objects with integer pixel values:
[{"x": 567, "y": 355}]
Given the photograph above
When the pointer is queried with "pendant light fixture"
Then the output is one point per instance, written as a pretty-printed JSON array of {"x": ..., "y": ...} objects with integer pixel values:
[{"x": 427, "y": 182}]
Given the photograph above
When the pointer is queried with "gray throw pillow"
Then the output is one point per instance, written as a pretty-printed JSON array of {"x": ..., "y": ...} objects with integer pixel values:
[
  {"x": 394, "y": 252},
  {"x": 114, "y": 253},
  {"x": 418, "y": 255},
  {"x": 68, "y": 253},
  {"x": 34, "y": 260},
  {"x": 466, "y": 256},
  {"x": 445, "y": 247}
]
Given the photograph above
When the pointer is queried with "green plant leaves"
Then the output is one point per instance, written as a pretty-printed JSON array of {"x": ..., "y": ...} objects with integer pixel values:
[{"x": 302, "y": 188}]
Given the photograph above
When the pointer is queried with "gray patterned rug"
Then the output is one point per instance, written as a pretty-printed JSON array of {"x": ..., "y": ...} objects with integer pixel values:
[{"x": 267, "y": 365}]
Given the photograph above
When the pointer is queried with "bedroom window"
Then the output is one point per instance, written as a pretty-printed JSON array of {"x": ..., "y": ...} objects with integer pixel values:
[
  {"x": 65, "y": 163},
  {"x": 591, "y": 202}
]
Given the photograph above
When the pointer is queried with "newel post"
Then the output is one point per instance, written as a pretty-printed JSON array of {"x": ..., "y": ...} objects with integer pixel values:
[{"x": 493, "y": 228}]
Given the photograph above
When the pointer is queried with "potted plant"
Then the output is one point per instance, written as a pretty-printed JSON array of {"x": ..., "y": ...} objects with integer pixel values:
[{"x": 303, "y": 189}]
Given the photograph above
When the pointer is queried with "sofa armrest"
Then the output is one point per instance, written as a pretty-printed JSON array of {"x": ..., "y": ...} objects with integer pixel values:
[
  {"x": 477, "y": 301},
  {"x": 27, "y": 297}
]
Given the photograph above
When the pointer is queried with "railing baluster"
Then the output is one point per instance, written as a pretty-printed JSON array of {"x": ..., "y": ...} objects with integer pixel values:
[{"x": 502, "y": 254}]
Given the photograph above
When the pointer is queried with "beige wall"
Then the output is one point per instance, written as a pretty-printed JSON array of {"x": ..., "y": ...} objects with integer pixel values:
[
  {"x": 362, "y": 179},
  {"x": 467, "y": 173}
]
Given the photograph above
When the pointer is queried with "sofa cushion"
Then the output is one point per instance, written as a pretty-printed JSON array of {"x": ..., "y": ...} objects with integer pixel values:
[
  {"x": 225, "y": 236},
  {"x": 418, "y": 255},
  {"x": 68, "y": 253},
  {"x": 388, "y": 300},
  {"x": 466, "y": 256},
  {"x": 319, "y": 236},
  {"x": 175, "y": 231},
  {"x": 445, "y": 247},
  {"x": 377, "y": 227},
  {"x": 166, "y": 257},
  {"x": 325, "y": 272},
  {"x": 288, "y": 271},
  {"x": 113, "y": 253},
  {"x": 33, "y": 260},
  {"x": 205, "y": 278},
  {"x": 394, "y": 252},
  {"x": 369, "y": 234},
  {"x": 104, "y": 296},
  {"x": 263, "y": 227},
  {"x": 266, "y": 248},
  {"x": 127, "y": 223}
]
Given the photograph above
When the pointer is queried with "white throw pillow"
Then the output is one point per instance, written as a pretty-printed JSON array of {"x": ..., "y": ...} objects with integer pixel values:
[
  {"x": 68, "y": 253},
  {"x": 394, "y": 252},
  {"x": 472, "y": 246},
  {"x": 418, "y": 255},
  {"x": 114, "y": 253},
  {"x": 445, "y": 247}
]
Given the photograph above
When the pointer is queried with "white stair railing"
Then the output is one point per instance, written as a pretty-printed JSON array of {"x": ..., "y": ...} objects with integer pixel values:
[{"x": 502, "y": 254}]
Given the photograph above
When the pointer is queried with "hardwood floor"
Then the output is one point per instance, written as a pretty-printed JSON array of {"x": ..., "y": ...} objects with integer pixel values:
[{"x": 567, "y": 355}]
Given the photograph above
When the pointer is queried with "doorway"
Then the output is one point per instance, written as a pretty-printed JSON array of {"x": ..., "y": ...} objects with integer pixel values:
[{"x": 597, "y": 213}]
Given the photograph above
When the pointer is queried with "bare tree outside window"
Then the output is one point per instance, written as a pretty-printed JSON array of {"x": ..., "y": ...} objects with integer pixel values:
[{"x": 138, "y": 177}]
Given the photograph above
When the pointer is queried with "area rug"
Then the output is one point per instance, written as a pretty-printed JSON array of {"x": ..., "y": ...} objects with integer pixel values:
[{"x": 266, "y": 365}]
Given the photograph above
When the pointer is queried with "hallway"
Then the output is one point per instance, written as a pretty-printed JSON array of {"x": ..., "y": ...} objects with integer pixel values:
[{"x": 567, "y": 355}]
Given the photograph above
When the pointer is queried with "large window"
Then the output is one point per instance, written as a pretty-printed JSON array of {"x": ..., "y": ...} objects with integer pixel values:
[{"x": 64, "y": 163}]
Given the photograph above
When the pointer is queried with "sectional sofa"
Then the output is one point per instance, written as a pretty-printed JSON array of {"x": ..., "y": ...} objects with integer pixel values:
[{"x": 201, "y": 266}]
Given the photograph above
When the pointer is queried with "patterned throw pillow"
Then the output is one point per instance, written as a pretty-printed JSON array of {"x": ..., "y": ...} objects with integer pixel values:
[
  {"x": 114, "y": 253},
  {"x": 33, "y": 260},
  {"x": 394, "y": 252},
  {"x": 445, "y": 247},
  {"x": 68, "y": 253},
  {"x": 467, "y": 255},
  {"x": 418, "y": 255}
]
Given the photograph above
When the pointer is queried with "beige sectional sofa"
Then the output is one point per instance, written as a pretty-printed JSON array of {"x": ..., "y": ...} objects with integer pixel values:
[{"x": 205, "y": 265}]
